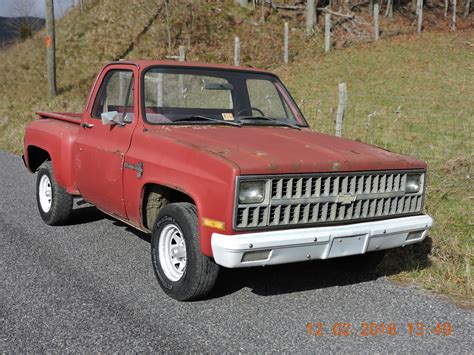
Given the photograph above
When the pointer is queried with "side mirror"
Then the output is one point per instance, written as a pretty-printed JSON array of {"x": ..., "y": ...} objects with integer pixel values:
[{"x": 111, "y": 118}]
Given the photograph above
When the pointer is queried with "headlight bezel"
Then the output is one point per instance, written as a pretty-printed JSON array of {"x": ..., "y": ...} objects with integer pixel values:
[
  {"x": 414, "y": 180},
  {"x": 246, "y": 186}
]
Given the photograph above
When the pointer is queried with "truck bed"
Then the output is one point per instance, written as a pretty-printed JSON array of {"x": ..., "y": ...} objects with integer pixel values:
[{"x": 62, "y": 116}]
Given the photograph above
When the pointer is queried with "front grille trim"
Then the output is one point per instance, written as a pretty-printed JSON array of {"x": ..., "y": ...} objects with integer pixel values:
[{"x": 305, "y": 200}]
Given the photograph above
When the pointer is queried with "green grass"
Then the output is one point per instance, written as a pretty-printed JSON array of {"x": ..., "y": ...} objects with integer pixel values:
[{"x": 418, "y": 91}]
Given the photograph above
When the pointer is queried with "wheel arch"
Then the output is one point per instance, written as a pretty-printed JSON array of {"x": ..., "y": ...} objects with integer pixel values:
[
  {"x": 154, "y": 196},
  {"x": 36, "y": 157}
]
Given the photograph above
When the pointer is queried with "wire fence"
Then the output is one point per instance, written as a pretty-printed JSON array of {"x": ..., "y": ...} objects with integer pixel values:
[{"x": 430, "y": 128}]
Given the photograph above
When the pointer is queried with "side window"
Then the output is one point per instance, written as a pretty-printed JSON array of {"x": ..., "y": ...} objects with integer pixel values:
[
  {"x": 264, "y": 95},
  {"x": 116, "y": 94}
]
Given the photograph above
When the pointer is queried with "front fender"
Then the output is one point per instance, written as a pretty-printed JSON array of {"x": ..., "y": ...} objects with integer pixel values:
[{"x": 205, "y": 177}]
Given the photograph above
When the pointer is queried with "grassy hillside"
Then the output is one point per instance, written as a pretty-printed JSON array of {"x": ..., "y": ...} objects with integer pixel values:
[
  {"x": 409, "y": 94},
  {"x": 419, "y": 93}
]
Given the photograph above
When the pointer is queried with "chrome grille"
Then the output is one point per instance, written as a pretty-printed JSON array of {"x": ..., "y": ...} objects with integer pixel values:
[{"x": 330, "y": 198}]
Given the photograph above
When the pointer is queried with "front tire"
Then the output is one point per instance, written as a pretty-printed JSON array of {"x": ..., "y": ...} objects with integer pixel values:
[
  {"x": 54, "y": 203},
  {"x": 183, "y": 272}
]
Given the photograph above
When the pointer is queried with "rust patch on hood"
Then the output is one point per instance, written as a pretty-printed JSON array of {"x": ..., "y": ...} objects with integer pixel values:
[
  {"x": 297, "y": 165},
  {"x": 272, "y": 166}
]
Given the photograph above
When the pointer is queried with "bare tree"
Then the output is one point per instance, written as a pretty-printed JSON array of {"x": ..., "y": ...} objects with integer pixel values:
[
  {"x": 310, "y": 16},
  {"x": 26, "y": 24},
  {"x": 389, "y": 10},
  {"x": 466, "y": 10},
  {"x": 168, "y": 25}
]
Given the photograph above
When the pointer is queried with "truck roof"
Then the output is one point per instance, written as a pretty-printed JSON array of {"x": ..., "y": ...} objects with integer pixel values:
[{"x": 142, "y": 64}]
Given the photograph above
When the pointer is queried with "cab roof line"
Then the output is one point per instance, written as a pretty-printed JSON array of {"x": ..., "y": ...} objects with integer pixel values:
[{"x": 123, "y": 62}]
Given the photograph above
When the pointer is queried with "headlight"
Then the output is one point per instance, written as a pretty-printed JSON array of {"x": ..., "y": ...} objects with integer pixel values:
[
  {"x": 252, "y": 192},
  {"x": 413, "y": 183}
]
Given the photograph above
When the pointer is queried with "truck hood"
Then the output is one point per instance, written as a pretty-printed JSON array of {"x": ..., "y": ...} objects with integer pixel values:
[{"x": 281, "y": 150}]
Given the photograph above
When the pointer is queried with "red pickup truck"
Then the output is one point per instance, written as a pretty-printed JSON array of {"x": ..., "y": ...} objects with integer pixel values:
[{"x": 219, "y": 165}]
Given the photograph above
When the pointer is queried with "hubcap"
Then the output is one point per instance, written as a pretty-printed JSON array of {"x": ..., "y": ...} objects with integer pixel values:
[
  {"x": 45, "y": 193},
  {"x": 172, "y": 252}
]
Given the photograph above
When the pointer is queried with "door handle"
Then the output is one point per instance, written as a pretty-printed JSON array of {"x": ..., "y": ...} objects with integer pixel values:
[{"x": 86, "y": 125}]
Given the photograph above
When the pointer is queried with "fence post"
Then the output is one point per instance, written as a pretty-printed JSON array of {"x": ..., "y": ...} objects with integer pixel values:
[
  {"x": 310, "y": 17},
  {"x": 454, "y": 16},
  {"x": 341, "y": 108},
  {"x": 376, "y": 21},
  {"x": 237, "y": 51},
  {"x": 182, "y": 53},
  {"x": 327, "y": 32},
  {"x": 285, "y": 49},
  {"x": 419, "y": 11}
]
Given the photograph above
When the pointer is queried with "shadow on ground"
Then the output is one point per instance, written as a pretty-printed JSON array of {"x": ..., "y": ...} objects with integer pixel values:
[
  {"x": 289, "y": 278},
  {"x": 318, "y": 274}
]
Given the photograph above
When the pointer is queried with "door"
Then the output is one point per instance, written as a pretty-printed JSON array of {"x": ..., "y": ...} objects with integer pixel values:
[{"x": 100, "y": 149}]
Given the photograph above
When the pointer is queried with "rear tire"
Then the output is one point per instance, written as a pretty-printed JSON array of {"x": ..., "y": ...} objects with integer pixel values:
[
  {"x": 54, "y": 203},
  {"x": 183, "y": 272}
]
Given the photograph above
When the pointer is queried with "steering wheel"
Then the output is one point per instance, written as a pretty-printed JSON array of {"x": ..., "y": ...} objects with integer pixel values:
[{"x": 250, "y": 109}]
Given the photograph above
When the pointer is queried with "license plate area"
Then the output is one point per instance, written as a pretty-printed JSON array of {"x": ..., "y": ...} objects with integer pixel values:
[{"x": 344, "y": 246}]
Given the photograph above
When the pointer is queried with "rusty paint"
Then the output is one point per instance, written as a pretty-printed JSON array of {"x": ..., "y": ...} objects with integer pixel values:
[
  {"x": 272, "y": 167},
  {"x": 336, "y": 166},
  {"x": 297, "y": 165}
]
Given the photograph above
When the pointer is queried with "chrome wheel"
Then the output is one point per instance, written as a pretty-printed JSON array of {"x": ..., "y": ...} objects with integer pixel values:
[
  {"x": 45, "y": 193},
  {"x": 172, "y": 252}
]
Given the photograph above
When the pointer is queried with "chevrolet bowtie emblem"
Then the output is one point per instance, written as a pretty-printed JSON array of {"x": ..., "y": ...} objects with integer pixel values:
[{"x": 346, "y": 199}]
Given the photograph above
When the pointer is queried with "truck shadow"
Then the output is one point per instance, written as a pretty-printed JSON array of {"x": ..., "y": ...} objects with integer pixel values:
[
  {"x": 291, "y": 278},
  {"x": 86, "y": 214},
  {"x": 318, "y": 274}
]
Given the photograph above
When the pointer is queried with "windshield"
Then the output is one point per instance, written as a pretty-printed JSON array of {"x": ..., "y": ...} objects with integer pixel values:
[{"x": 178, "y": 96}]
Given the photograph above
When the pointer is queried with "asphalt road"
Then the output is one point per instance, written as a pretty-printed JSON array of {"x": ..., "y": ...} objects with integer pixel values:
[{"x": 90, "y": 286}]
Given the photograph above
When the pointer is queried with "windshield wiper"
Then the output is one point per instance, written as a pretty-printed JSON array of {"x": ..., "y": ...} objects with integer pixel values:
[
  {"x": 199, "y": 117},
  {"x": 280, "y": 123}
]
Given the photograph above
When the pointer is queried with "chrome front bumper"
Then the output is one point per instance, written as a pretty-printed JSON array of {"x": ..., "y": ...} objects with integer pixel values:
[{"x": 294, "y": 245}]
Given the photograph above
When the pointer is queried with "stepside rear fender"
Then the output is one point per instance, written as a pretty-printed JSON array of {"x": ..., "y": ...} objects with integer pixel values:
[{"x": 57, "y": 139}]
